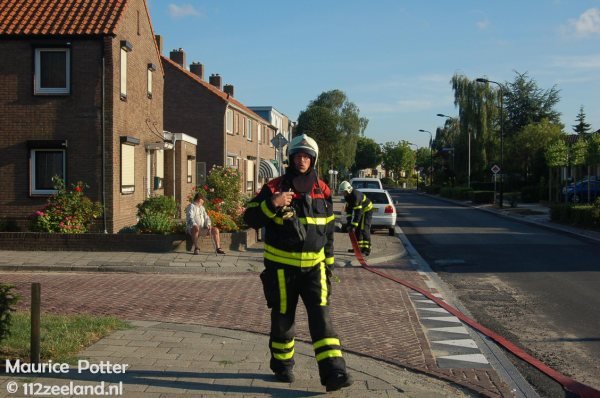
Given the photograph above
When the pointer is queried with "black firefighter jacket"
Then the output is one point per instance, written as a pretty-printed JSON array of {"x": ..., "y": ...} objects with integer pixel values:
[{"x": 303, "y": 240}]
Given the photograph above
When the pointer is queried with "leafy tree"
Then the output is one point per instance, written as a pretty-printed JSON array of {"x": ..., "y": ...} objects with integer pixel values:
[
  {"x": 581, "y": 127},
  {"x": 525, "y": 103},
  {"x": 335, "y": 123},
  {"x": 368, "y": 154},
  {"x": 398, "y": 157},
  {"x": 528, "y": 148},
  {"x": 478, "y": 110},
  {"x": 556, "y": 154}
]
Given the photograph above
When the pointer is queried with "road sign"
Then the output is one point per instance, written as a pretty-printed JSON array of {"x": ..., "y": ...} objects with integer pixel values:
[
  {"x": 279, "y": 141},
  {"x": 495, "y": 169}
]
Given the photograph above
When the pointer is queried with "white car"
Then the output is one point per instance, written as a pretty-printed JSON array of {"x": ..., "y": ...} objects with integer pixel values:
[
  {"x": 366, "y": 182},
  {"x": 384, "y": 210}
]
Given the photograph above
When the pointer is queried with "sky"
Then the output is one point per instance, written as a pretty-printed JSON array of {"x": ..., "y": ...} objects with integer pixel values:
[{"x": 393, "y": 58}]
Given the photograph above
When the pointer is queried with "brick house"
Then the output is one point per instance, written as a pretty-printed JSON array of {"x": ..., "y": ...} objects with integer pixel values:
[
  {"x": 81, "y": 94},
  {"x": 228, "y": 132}
]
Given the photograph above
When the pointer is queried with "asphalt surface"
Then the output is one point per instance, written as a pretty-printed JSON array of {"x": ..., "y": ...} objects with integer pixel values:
[{"x": 200, "y": 325}]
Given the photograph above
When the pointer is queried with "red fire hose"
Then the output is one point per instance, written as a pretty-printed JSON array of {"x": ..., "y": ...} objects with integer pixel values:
[{"x": 582, "y": 390}]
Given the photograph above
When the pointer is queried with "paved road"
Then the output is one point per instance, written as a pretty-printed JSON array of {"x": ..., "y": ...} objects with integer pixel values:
[{"x": 533, "y": 285}]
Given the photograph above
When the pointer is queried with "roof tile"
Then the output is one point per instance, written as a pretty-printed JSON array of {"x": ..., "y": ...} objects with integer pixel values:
[{"x": 60, "y": 17}]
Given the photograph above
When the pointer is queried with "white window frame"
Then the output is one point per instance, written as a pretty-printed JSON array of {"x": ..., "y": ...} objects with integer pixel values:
[
  {"x": 229, "y": 121},
  {"x": 38, "y": 89},
  {"x": 123, "y": 74},
  {"x": 150, "y": 74},
  {"x": 127, "y": 168},
  {"x": 259, "y": 132},
  {"x": 160, "y": 163},
  {"x": 230, "y": 161},
  {"x": 190, "y": 167},
  {"x": 33, "y": 188},
  {"x": 249, "y": 134}
]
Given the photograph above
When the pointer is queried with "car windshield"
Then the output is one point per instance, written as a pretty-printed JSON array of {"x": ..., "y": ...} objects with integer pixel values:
[
  {"x": 365, "y": 184},
  {"x": 377, "y": 197}
]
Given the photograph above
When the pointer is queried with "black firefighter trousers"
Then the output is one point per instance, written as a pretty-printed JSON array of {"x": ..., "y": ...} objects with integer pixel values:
[{"x": 283, "y": 285}]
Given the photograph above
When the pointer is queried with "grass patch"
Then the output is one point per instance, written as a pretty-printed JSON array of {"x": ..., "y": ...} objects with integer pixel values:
[{"x": 62, "y": 336}]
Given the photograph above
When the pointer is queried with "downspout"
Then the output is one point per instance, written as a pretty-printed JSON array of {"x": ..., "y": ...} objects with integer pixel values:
[{"x": 103, "y": 143}]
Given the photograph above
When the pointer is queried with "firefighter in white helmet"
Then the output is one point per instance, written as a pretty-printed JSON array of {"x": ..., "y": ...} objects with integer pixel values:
[
  {"x": 297, "y": 211},
  {"x": 358, "y": 213}
]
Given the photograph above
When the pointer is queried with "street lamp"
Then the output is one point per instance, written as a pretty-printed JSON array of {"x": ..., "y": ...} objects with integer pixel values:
[
  {"x": 418, "y": 171},
  {"x": 452, "y": 143},
  {"x": 482, "y": 80},
  {"x": 430, "y": 155}
]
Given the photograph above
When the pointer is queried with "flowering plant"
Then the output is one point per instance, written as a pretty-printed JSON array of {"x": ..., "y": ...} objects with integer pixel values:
[
  {"x": 68, "y": 211},
  {"x": 223, "y": 199}
]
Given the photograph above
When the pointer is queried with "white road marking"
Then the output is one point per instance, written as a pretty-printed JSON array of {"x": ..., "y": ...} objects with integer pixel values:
[
  {"x": 476, "y": 358},
  {"x": 467, "y": 343}
]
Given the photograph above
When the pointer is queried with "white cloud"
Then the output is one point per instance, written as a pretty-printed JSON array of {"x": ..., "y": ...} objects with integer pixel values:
[
  {"x": 185, "y": 10},
  {"x": 587, "y": 24},
  {"x": 578, "y": 62},
  {"x": 483, "y": 24}
]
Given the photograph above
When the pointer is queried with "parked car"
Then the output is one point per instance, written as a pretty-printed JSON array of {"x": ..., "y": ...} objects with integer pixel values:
[
  {"x": 366, "y": 182},
  {"x": 578, "y": 192},
  {"x": 384, "y": 210}
]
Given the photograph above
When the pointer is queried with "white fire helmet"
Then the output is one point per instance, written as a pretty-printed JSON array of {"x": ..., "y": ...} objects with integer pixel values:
[
  {"x": 345, "y": 187},
  {"x": 303, "y": 143}
]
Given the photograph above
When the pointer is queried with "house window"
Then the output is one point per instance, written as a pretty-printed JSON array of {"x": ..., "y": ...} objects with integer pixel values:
[
  {"x": 52, "y": 71},
  {"x": 229, "y": 121},
  {"x": 151, "y": 70},
  {"x": 249, "y": 129},
  {"x": 190, "y": 165},
  {"x": 160, "y": 163},
  {"x": 128, "y": 164},
  {"x": 45, "y": 164},
  {"x": 259, "y": 132},
  {"x": 125, "y": 48},
  {"x": 230, "y": 161}
]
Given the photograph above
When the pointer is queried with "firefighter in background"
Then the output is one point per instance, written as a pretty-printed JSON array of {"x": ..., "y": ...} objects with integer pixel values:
[
  {"x": 297, "y": 211},
  {"x": 359, "y": 213}
]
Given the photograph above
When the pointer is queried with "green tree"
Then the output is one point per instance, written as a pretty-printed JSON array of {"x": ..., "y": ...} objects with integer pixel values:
[
  {"x": 581, "y": 127},
  {"x": 398, "y": 157},
  {"x": 528, "y": 148},
  {"x": 556, "y": 154},
  {"x": 478, "y": 109},
  {"x": 525, "y": 103},
  {"x": 335, "y": 123},
  {"x": 368, "y": 154}
]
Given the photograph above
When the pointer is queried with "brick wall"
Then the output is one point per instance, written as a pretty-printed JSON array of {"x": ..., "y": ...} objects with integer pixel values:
[
  {"x": 77, "y": 117},
  {"x": 25, "y": 116},
  {"x": 238, "y": 241},
  {"x": 139, "y": 116}
]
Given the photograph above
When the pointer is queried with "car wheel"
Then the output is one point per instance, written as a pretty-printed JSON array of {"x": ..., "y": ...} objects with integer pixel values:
[{"x": 391, "y": 232}]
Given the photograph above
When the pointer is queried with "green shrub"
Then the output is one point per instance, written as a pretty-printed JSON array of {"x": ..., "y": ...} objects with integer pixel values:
[
  {"x": 459, "y": 193},
  {"x": 8, "y": 225},
  {"x": 8, "y": 299},
  {"x": 68, "y": 211},
  {"x": 482, "y": 196},
  {"x": 222, "y": 195},
  {"x": 513, "y": 198},
  {"x": 532, "y": 193},
  {"x": 388, "y": 182},
  {"x": 156, "y": 215}
]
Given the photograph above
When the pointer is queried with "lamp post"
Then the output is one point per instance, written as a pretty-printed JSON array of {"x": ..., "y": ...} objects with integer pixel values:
[
  {"x": 452, "y": 143},
  {"x": 501, "y": 87},
  {"x": 430, "y": 155},
  {"x": 418, "y": 172}
]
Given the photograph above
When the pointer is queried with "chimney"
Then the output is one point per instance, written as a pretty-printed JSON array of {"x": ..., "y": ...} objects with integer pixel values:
[
  {"x": 215, "y": 80},
  {"x": 197, "y": 69},
  {"x": 178, "y": 56},
  {"x": 228, "y": 88},
  {"x": 159, "y": 43}
]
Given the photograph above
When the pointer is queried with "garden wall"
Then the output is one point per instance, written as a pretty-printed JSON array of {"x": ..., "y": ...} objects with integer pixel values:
[{"x": 34, "y": 241}]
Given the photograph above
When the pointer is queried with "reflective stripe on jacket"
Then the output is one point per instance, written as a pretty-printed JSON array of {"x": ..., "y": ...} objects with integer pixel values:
[{"x": 284, "y": 243}]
